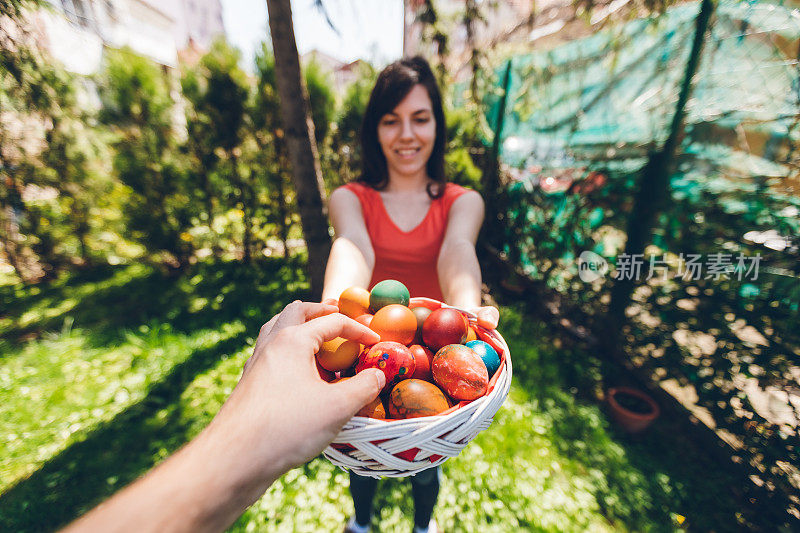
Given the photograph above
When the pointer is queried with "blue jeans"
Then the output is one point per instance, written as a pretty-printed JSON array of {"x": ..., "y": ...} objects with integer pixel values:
[{"x": 424, "y": 489}]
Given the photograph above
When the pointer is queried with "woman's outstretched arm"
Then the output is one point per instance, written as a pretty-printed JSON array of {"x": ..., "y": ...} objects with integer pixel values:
[
  {"x": 458, "y": 267},
  {"x": 352, "y": 258}
]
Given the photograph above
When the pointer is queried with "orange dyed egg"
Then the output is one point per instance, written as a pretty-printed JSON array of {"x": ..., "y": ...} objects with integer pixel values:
[
  {"x": 471, "y": 335},
  {"x": 414, "y": 398},
  {"x": 373, "y": 409},
  {"x": 395, "y": 322},
  {"x": 338, "y": 354},
  {"x": 354, "y": 302}
]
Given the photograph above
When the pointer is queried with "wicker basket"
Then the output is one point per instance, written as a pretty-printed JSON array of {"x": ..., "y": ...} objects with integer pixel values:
[{"x": 400, "y": 448}]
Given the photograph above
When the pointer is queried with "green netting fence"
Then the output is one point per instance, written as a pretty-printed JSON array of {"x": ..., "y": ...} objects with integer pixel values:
[{"x": 714, "y": 316}]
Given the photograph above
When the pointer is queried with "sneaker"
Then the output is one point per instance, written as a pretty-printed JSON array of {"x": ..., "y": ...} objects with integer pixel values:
[
  {"x": 354, "y": 527},
  {"x": 433, "y": 527}
]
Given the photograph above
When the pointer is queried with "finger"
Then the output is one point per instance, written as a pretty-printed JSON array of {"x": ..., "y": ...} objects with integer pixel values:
[
  {"x": 329, "y": 327},
  {"x": 267, "y": 328},
  {"x": 359, "y": 390},
  {"x": 298, "y": 312},
  {"x": 488, "y": 317},
  {"x": 330, "y": 301}
]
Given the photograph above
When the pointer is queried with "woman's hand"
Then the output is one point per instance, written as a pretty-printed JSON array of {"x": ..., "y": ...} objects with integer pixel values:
[{"x": 488, "y": 316}]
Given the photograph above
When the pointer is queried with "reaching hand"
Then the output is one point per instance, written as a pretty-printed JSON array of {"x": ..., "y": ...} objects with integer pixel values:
[
  {"x": 281, "y": 404},
  {"x": 280, "y": 415}
]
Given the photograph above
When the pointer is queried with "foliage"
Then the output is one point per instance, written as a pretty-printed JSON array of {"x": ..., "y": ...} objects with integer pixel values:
[
  {"x": 343, "y": 154},
  {"x": 217, "y": 92},
  {"x": 49, "y": 153},
  {"x": 320, "y": 98},
  {"x": 725, "y": 346},
  {"x": 138, "y": 108}
]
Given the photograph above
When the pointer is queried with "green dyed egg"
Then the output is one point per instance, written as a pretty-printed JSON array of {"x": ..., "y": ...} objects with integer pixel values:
[{"x": 387, "y": 292}]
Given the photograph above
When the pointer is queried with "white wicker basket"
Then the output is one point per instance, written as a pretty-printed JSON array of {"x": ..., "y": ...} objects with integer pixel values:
[{"x": 400, "y": 448}]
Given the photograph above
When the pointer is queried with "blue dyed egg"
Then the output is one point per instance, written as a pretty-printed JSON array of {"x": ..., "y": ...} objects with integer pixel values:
[{"x": 488, "y": 355}]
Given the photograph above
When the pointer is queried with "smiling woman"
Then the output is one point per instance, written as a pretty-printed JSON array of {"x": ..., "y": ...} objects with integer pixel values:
[{"x": 401, "y": 220}]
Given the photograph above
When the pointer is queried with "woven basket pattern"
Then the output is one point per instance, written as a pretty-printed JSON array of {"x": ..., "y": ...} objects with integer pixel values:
[{"x": 369, "y": 447}]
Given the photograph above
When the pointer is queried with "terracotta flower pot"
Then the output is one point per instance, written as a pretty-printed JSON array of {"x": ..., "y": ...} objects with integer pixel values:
[{"x": 631, "y": 408}]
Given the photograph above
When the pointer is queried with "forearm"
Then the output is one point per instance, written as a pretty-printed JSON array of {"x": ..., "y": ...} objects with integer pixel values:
[
  {"x": 460, "y": 275},
  {"x": 203, "y": 487},
  {"x": 348, "y": 266}
]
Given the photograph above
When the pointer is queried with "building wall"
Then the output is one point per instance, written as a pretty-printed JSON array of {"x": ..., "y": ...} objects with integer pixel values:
[{"x": 76, "y": 32}]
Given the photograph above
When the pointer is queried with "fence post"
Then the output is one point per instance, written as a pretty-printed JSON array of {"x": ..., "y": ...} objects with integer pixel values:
[
  {"x": 491, "y": 174},
  {"x": 654, "y": 186}
]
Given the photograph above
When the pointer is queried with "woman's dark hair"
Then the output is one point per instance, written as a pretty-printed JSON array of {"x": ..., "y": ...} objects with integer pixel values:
[{"x": 393, "y": 85}]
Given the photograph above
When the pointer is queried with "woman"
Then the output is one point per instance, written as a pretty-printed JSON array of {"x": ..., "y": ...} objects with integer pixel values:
[{"x": 402, "y": 220}]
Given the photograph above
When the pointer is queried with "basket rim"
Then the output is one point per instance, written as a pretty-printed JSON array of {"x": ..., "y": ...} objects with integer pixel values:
[{"x": 448, "y": 433}]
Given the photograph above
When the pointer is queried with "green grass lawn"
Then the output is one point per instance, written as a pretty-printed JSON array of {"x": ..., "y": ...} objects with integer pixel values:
[{"x": 104, "y": 374}]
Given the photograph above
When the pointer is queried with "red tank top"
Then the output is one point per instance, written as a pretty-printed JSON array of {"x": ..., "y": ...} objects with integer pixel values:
[{"x": 407, "y": 256}]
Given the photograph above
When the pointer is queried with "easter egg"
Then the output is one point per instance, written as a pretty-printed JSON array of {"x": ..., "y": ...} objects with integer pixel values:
[
  {"x": 460, "y": 372},
  {"x": 338, "y": 354},
  {"x": 387, "y": 292},
  {"x": 422, "y": 362},
  {"x": 471, "y": 335},
  {"x": 395, "y": 322},
  {"x": 442, "y": 327},
  {"x": 414, "y": 398},
  {"x": 326, "y": 375},
  {"x": 354, "y": 301},
  {"x": 393, "y": 358},
  {"x": 373, "y": 409},
  {"x": 421, "y": 313},
  {"x": 365, "y": 319},
  {"x": 487, "y": 354}
]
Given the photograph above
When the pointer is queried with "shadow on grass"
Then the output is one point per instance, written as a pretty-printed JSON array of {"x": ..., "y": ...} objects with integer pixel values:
[
  {"x": 659, "y": 479},
  {"x": 205, "y": 295},
  {"x": 111, "y": 455},
  {"x": 116, "y": 452}
]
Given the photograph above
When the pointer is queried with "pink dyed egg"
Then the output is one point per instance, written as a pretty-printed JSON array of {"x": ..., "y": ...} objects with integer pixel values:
[{"x": 460, "y": 372}]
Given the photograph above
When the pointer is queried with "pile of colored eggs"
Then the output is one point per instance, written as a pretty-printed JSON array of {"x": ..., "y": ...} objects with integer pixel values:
[{"x": 432, "y": 359}]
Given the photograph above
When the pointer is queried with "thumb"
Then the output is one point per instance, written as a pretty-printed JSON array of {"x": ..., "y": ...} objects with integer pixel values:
[{"x": 361, "y": 389}]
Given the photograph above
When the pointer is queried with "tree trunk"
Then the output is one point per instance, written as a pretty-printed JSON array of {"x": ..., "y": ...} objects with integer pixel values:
[
  {"x": 494, "y": 224},
  {"x": 296, "y": 119}
]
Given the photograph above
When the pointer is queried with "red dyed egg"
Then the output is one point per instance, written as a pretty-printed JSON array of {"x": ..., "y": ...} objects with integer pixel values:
[
  {"x": 365, "y": 319},
  {"x": 413, "y": 398},
  {"x": 444, "y": 326},
  {"x": 395, "y": 322},
  {"x": 422, "y": 362},
  {"x": 325, "y": 374},
  {"x": 393, "y": 358},
  {"x": 460, "y": 372},
  {"x": 421, "y": 313}
]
